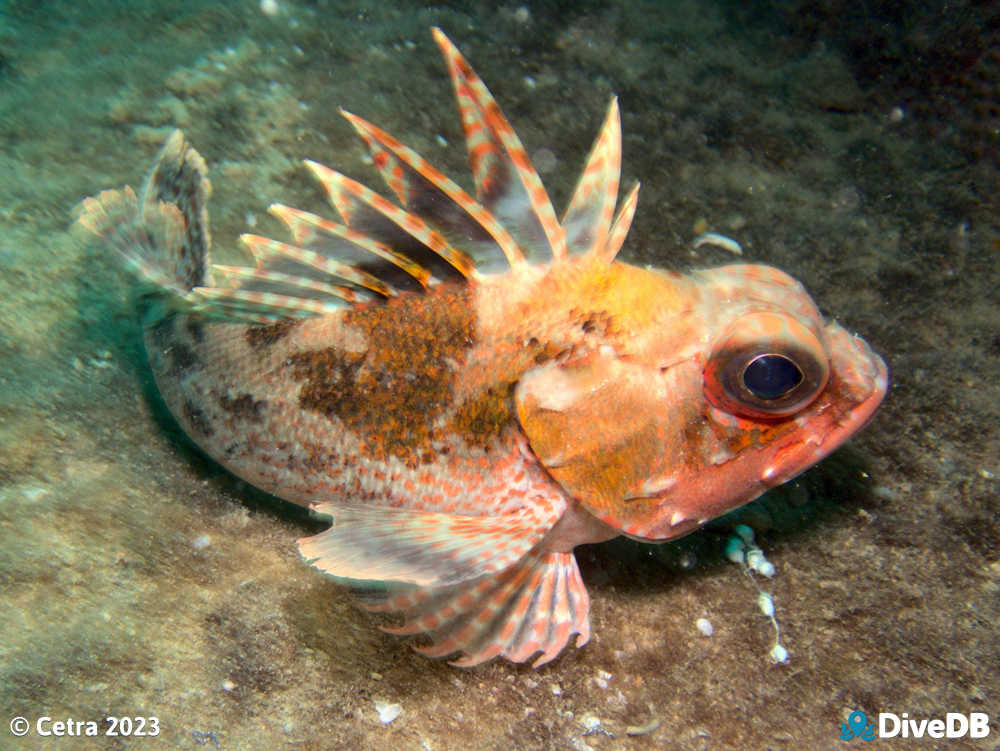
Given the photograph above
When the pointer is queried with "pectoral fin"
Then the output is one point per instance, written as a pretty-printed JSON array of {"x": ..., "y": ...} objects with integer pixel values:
[
  {"x": 534, "y": 606},
  {"x": 424, "y": 548}
]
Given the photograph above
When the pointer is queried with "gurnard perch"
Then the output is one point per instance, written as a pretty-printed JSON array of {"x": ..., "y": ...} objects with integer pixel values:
[{"x": 468, "y": 388}]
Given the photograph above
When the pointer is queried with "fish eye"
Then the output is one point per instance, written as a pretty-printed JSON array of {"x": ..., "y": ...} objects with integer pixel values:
[
  {"x": 771, "y": 376},
  {"x": 767, "y": 366}
]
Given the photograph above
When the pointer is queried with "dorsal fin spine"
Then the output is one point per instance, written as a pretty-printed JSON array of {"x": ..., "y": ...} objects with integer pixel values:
[
  {"x": 342, "y": 189},
  {"x": 263, "y": 248},
  {"x": 304, "y": 226},
  {"x": 590, "y": 212},
  {"x": 619, "y": 229},
  {"x": 466, "y": 80},
  {"x": 375, "y": 138}
]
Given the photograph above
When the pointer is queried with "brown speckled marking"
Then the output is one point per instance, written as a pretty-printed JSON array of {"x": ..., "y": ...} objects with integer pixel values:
[
  {"x": 197, "y": 420},
  {"x": 391, "y": 395},
  {"x": 195, "y": 330},
  {"x": 244, "y": 406},
  {"x": 264, "y": 336},
  {"x": 483, "y": 419},
  {"x": 170, "y": 337}
]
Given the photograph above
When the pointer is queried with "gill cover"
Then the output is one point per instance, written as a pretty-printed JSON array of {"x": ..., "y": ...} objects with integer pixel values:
[{"x": 593, "y": 427}]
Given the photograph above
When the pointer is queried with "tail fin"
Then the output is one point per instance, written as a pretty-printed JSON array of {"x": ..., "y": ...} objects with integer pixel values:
[{"x": 162, "y": 234}]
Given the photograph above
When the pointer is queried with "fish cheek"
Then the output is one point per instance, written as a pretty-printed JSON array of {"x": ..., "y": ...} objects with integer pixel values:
[{"x": 594, "y": 427}]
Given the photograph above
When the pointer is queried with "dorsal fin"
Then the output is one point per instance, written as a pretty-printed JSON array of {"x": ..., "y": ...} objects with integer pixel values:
[
  {"x": 290, "y": 260},
  {"x": 350, "y": 197},
  {"x": 163, "y": 232},
  {"x": 332, "y": 241},
  {"x": 419, "y": 188},
  {"x": 592, "y": 207},
  {"x": 439, "y": 232},
  {"x": 620, "y": 227},
  {"x": 494, "y": 149}
]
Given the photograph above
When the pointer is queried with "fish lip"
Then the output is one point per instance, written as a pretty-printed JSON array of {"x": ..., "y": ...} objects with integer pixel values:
[{"x": 862, "y": 369}]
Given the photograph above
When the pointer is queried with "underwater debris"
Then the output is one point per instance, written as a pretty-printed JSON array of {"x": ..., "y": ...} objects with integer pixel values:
[{"x": 741, "y": 549}]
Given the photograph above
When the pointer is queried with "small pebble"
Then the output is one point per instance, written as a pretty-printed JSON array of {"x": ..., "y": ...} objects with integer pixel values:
[
  {"x": 387, "y": 711},
  {"x": 34, "y": 494},
  {"x": 590, "y": 723},
  {"x": 736, "y": 550},
  {"x": 649, "y": 727},
  {"x": 705, "y": 626}
]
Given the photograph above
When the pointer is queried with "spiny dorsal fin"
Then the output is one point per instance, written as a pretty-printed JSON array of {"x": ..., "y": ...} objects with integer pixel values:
[
  {"x": 381, "y": 248},
  {"x": 282, "y": 258},
  {"x": 620, "y": 228},
  {"x": 419, "y": 188},
  {"x": 349, "y": 197},
  {"x": 337, "y": 241},
  {"x": 493, "y": 149},
  {"x": 592, "y": 207}
]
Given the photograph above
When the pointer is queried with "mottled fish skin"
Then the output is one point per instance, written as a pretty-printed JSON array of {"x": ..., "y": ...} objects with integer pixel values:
[
  {"x": 356, "y": 406},
  {"x": 469, "y": 387}
]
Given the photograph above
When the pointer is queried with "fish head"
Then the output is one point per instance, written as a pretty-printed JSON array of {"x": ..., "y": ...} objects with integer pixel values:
[{"x": 732, "y": 383}]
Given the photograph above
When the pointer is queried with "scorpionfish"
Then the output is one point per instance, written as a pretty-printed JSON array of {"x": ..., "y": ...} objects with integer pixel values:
[{"x": 468, "y": 386}]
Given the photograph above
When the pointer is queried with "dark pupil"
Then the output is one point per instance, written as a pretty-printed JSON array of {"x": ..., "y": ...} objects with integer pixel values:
[{"x": 771, "y": 376}]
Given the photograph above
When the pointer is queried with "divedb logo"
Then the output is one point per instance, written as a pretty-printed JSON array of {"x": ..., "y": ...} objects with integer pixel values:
[{"x": 891, "y": 725}]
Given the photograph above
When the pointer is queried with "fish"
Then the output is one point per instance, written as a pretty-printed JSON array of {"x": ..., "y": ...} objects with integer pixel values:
[{"x": 467, "y": 386}]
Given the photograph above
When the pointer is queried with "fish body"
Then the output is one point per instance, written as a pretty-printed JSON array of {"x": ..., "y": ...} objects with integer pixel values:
[{"x": 468, "y": 387}]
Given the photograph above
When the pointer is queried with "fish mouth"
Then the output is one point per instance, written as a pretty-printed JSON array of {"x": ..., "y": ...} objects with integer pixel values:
[
  {"x": 859, "y": 381},
  {"x": 862, "y": 380}
]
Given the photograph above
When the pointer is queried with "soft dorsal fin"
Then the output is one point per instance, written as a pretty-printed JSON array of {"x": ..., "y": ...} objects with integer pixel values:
[{"x": 494, "y": 149}]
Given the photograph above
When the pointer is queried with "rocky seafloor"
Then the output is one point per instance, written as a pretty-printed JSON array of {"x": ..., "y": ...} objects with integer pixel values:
[{"x": 855, "y": 150}]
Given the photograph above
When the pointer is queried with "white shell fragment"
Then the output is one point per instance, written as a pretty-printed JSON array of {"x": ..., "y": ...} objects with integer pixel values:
[
  {"x": 387, "y": 711},
  {"x": 719, "y": 241},
  {"x": 705, "y": 626},
  {"x": 778, "y": 653}
]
